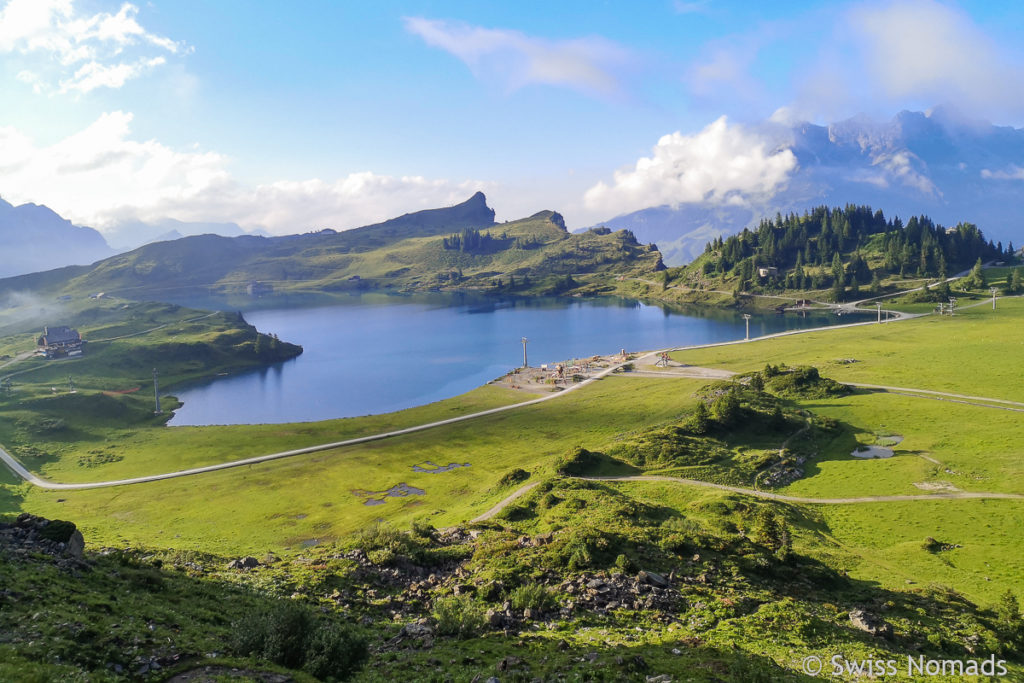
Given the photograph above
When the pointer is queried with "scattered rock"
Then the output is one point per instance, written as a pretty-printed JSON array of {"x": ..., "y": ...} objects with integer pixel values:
[
  {"x": 244, "y": 563},
  {"x": 416, "y": 630},
  {"x": 870, "y": 623},
  {"x": 32, "y": 534},
  {"x": 542, "y": 539},
  {"x": 509, "y": 662},
  {"x": 652, "y": 579}
]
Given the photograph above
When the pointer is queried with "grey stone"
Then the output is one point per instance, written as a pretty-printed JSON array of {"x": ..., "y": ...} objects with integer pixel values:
[
  {"x": 652, "y": 579},
  {"x": 870, "y": 623},
  {"x": 417, "y": 631},
  {"x": 75, "y": 545}
]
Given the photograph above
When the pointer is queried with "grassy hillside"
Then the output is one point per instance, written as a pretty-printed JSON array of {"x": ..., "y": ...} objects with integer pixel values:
[{"x": 535, "y": 255}]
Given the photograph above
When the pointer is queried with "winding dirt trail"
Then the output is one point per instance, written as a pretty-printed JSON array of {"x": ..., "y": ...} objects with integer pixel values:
[
  {"x": 802, "y": 499},
  {"x": 765, "y": 495}
]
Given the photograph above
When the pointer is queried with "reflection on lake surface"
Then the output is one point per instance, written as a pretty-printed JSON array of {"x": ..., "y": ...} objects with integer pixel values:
[{"x": 377, "y": 353}]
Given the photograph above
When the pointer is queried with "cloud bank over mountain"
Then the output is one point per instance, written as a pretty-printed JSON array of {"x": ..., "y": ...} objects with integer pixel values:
[
  {"x": 102, "y": 176},
  {"x": 721, "y": 164},
  {"x": 937, "y": 163}
]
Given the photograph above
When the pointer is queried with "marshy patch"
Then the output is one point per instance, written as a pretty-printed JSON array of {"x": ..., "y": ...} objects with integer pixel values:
[
  {"x": 869, "y": 452},
  {"x": 429, "y": 467},
  {"x": 882, "y": 447},
  {"x": 399, "y": 490}
]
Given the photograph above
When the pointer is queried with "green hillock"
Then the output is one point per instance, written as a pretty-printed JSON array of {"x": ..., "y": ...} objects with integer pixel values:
[{"x": 838, "y": 254}]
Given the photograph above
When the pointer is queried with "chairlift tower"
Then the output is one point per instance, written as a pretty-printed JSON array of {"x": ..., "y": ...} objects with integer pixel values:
[
  {"x": 71, "y": 386},
  {"x": 746, "y": 318},
  {"x": 993, "y": 290},
  {"x": 525, "y": 341},
  {"x": 156, "y": 392}
]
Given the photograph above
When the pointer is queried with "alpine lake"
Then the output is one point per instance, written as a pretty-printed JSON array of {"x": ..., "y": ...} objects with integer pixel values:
[{"x": 378, "y": 353}]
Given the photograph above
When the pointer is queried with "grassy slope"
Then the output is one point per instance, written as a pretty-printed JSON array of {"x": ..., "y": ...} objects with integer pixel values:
[
  {"x": 972, "y": 353},
  {"x": 410, "y": 259},
  {"x": 282, "y": 503}
]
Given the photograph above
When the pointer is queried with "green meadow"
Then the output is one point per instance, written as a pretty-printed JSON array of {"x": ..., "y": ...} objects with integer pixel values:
[
  {"x": 974, "y": 352},
  {"x": 764, "y": 582},
  {"x": 278, "y": 504}
]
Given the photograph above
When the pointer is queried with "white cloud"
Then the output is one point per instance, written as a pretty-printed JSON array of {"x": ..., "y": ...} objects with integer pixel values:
[
  {"x": 68, "y": 51},
  {"x": 921, "y": 48},
  {"x": 899, "y": 166},
  {"x": 514, "y": 59},
  {"x": 100, "y": 176},
  {"x": 95, "y": 75},
  {"x": 911, "y": 54},
  {"x": 1015, "y": 172},
  {"x": 722, "y": 164}
]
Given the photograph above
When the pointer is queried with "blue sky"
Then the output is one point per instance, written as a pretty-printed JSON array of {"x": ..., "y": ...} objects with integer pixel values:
[{"x": 294, "y": 116}]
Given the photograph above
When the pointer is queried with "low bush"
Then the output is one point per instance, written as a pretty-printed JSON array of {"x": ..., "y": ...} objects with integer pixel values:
[
  {"x": 458, "y": 616},
  {"x": 516, "y": 476},
  {"x": 334, "y": 652},
  {"x": 290, "y": 636},
  {"x": 58, "y": 531},
  {"x": 532, "y": 596}
]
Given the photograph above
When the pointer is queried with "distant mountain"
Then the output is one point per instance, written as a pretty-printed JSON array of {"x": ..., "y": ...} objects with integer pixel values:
[
  {"x": 34, "y": 238},
  {"x": 133, "y": 234},
  {"x": 931, "y": 163},
  {"x": 455, "y": 247}
]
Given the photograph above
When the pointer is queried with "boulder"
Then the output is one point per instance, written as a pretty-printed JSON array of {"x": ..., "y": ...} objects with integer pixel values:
[
  {"x": 870, "y": 623},
  {"x": 652, "y": 579},
  {"x": 75, "y": 546}
]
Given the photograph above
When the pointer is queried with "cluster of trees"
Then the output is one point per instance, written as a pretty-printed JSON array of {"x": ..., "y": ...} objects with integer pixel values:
[
  {"x": 830, "y": 247},
  {"x": 470, "y": 241}
]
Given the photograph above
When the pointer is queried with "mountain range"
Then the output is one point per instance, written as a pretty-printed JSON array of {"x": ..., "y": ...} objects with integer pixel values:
[
  {"x": 458, "y": 247},
  {"x": 34, "y": 238},
  {"x": 935, "y": 163}
]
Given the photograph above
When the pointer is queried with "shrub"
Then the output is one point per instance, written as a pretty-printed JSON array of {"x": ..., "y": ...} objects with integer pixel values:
[
  {"x": 424, "y": 530},
  {"x": 514, "y": 477},
  {"x": 532, "y": 596},
  {"x": 288, "y": 635},
  {"x": 726, "y": 409},
  {"x": 58, "y": 531},
  {"x": 334, "y": 651},
  {"x": 285, "y": 634},
  {"x": 458, "y": 616},
  {"x": 383, "y": 544},
  {"x": 381, "y": 537}
]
